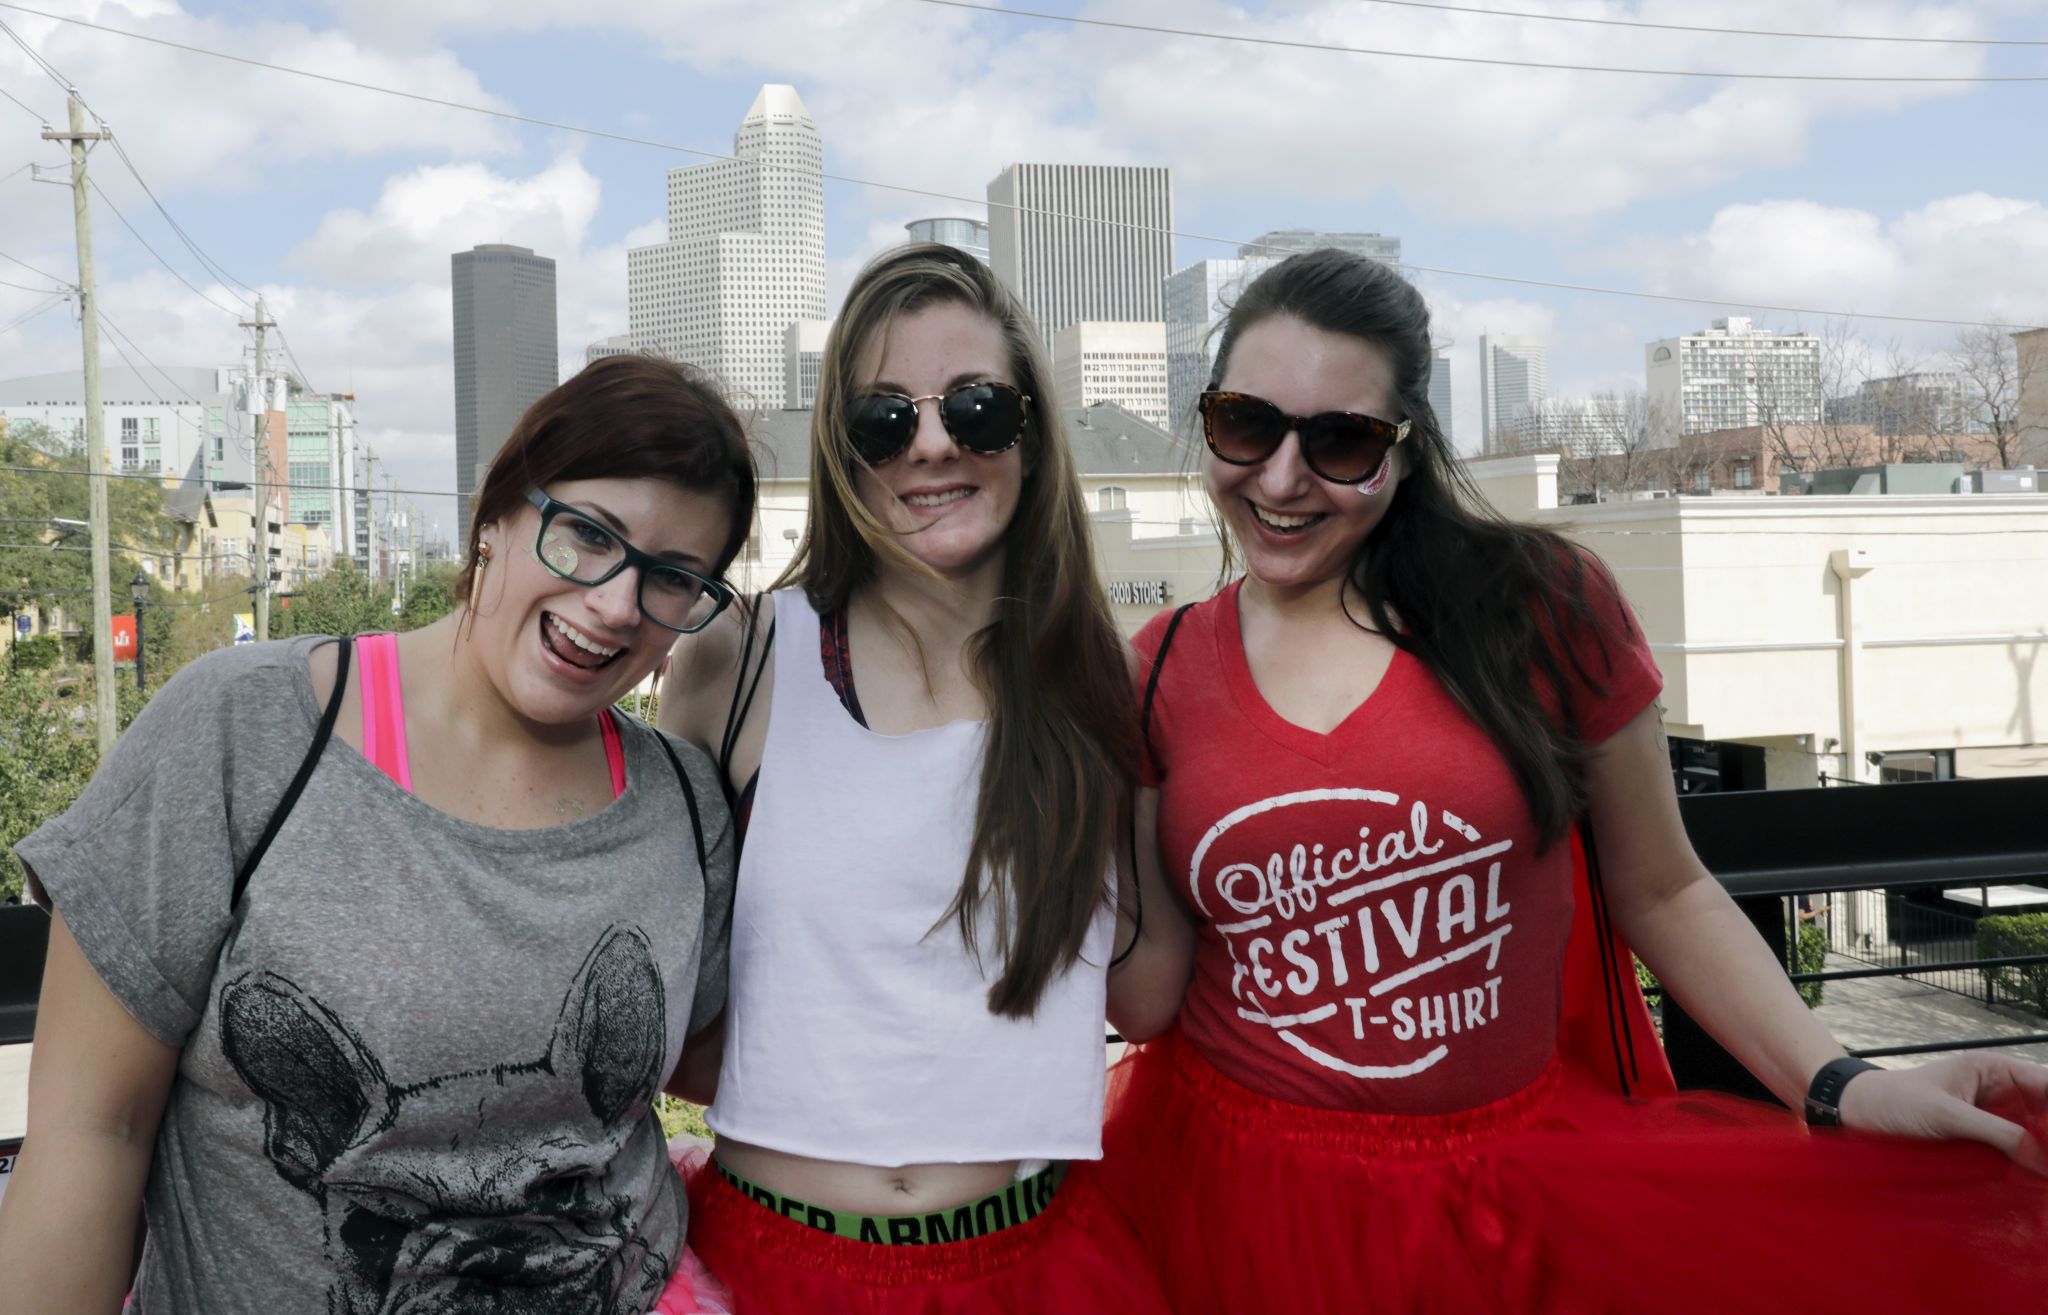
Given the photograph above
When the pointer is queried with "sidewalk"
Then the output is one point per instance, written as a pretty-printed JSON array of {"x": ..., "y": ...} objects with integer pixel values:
[{"x": 1892, "y": 1011}]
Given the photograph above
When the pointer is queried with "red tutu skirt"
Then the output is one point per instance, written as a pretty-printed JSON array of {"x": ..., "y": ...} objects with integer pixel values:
[
  {"x": 1562, "y": 1199},
  {"x": 1077, "y": 1257}
]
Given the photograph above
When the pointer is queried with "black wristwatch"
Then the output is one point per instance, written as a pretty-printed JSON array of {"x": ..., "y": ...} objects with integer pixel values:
[{"x": 1824, "y": 1097}]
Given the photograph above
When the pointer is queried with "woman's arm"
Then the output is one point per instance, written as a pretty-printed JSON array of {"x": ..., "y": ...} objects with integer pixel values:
[
  {"x": 97, "y": 1086},
  {"x": 1677, "y": 917},
  {"x": 1145, "y": 990}
]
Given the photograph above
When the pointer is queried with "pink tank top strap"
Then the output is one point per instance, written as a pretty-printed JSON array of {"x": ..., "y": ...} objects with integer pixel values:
[
  {"x": 614, "y": 750},
  {"x": 384, "y": 716},
  {"x": 383, "y": 707}
]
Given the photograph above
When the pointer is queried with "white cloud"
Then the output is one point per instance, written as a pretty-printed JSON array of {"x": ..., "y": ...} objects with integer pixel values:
[
  {"x": 1968, "y": 257},
  {"x": 191, "y": 119}
]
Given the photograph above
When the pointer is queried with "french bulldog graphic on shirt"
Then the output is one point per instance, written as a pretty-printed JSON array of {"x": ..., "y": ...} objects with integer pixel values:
[{"x": 437, "y": 1197}]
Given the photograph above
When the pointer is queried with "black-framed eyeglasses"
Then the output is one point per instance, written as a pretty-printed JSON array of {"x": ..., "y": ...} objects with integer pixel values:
[
  {"x": 579, "y": 549},
  {"x": 1343, "y": 447},
  {"x": 985, "y": 418}
]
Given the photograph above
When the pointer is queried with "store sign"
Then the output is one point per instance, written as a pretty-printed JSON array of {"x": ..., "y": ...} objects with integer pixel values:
[
  {"x": 245, "y": 627},
  {"x": 1140, "y": 593},
  {"x": 124, "y": 638}
]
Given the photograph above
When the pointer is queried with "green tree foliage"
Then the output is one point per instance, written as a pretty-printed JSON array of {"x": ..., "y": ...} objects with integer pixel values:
[
  {"x": 48, "y": 751},
  {"x": 342, "y": 602},
  {"x": 45, "y": 561},
  {"x": 2011, "y": 935},
  {"x": 431, "y": 597}
]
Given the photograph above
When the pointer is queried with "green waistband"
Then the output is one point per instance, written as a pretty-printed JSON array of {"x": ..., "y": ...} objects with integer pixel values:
[{"x": 1018, "y": 1203}]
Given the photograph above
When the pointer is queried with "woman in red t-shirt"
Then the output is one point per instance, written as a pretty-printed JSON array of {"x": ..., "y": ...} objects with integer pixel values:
[{"x": 1384, "y": 1090}]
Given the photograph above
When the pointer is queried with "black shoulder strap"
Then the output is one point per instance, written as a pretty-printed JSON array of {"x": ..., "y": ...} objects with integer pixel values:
[
  {"x": 1626, "y": 1070},
  {"x": 305, "y": 772},
  {"x": 1145, "y": 738},
  {"x": 689, "y": 802},
  {"x": 736, "y": 712}
]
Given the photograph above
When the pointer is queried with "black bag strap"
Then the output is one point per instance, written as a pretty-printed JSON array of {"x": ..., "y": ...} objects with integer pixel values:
[
  {"x": 689, "y": 802},
  {"x": 306, "y": 765},
  {"x": 736, "y": 712},
  {"x": 1626, "y": 1070},
  {"x": 1145, "y": 743}
]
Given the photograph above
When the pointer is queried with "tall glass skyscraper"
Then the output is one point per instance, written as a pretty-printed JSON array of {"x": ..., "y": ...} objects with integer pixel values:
[
  {"x": 1082, "y": 241},
  {"x": 970, "y": 235},
  {"x": 505, "y": 356}
]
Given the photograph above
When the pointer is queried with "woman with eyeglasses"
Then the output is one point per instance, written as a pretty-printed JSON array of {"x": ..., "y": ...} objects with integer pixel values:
[
  {"x": 370, "y": 956},
  {"x": 929, "y": 733},
  {"x": 1402, "y": 1064}
]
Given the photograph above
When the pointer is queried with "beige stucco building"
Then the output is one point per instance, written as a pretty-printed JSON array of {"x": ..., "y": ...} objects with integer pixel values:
[{"x": 1831, "y": 631}]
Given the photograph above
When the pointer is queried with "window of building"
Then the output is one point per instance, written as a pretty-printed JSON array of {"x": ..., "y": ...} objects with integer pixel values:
[
  {"x": 1110, "y": 497},
  {"x": 1742, "y": 476}
]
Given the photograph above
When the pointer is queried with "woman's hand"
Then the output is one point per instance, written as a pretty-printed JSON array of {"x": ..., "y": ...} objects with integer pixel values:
[{"x": 1956, "y": 1097}]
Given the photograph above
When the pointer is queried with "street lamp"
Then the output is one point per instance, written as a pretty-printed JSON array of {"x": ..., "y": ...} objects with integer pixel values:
[{"x": 139, "y": 587}]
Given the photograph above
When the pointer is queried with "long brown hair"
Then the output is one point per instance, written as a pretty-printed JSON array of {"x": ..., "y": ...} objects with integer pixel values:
[
  {"x": 1062, "y": 734},
  {"x": 623, "y": 417},
  {"x": 1496, "y": 609}
]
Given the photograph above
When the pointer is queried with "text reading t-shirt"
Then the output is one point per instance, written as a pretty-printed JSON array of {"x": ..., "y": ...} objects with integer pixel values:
[{"x": 1376, "y": 929}]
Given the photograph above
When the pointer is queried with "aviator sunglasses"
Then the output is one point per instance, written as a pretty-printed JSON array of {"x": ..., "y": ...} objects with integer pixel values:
[
  {"x": 984, "y": 418},
  {"x": 1342, "y": 447}
]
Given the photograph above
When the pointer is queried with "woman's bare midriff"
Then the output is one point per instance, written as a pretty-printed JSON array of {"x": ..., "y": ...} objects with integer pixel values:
[{"x": 863, "y": 1188}]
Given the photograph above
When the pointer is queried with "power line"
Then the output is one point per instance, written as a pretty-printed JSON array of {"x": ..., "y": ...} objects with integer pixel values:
[
  {"x": 29, "y": 109},
  {"x": 23, "y": 287},
  {"x": 1714, "y": 31},
  {"x": 95, "y": 184},
  {"x": 33, "y": 270},
  {"x": 207, "y": 262},
  {"x": 49, "y": 70},
  {"x": 1281, "y": 43},
  {"x": 631, "y": 140},
  {"x": 120, "y": 337},
  {"x": 26, "y": 316}
]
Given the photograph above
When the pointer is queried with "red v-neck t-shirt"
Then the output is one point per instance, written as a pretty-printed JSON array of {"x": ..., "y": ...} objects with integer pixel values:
[{"x": 1375, "y": 927}]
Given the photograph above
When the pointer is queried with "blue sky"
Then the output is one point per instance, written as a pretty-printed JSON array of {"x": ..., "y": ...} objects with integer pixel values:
[{"x": 343, "y": 206}]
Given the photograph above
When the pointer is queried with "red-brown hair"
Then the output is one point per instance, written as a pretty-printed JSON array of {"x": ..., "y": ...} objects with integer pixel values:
[{"x": 624, "y": 417}]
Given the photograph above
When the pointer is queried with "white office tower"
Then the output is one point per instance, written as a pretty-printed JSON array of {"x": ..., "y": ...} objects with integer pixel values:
[
  {"x": 1732, "y": 376},
  {"x": 803, "y": 350},
  {"x": 745, "y": 254},
  {"x": 1284, "y": 242},
  {"x": 1123, "y": 362},
  {"x": 970, "y": 235},
  {"x": 1514, "y": 377},
  {"x": 1081, "y": 242},
  {"x": 1440, "y": 396}
]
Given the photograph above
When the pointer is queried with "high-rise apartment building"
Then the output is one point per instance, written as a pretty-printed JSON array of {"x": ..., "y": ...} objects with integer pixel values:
[
  {"x": 1732, "y": 376},
  {"x": 1440, "y": 396},
  {"x": 970, "y": 235},
  {"x": 1925, "y": 403},
  {"x": 1284, "y": 242},
  {"x": 505, "y": 356},
  {"x": 745, "y": 254},
  {"x": 1514, "y": 377},
  {"x": 1081, "y": 242},
  {"x": 803, "y": 351},
  {"x": 321, "y": 463},
  {"x": 1122, "y": 362}
]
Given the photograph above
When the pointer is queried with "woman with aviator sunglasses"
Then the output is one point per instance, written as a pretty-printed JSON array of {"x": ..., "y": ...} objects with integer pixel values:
[
  {"x": 1401, "y": 1064},
  {"x": 929, "y": 733},
  {"x": 369, "y": 956}
]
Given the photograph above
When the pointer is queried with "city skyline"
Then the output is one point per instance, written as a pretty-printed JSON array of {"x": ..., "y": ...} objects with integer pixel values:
[{"x": 342, "y": 205}]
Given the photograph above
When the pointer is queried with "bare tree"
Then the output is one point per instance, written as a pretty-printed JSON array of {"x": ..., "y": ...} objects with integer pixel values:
[{"x": 1988, "y": 359}]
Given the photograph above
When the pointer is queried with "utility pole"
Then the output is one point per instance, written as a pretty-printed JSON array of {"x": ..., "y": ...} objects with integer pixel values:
[
  {"x": 95, "y": 426},
  {"x": 370, "y": 515},
  {"x": 262, "y": 482}
]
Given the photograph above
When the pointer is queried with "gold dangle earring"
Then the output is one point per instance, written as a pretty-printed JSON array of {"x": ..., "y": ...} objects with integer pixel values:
[{"x": 476, "y": 575}]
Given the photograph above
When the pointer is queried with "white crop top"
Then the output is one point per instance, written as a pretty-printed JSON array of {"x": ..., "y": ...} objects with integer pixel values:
[{"x": 857, "y": 1025}]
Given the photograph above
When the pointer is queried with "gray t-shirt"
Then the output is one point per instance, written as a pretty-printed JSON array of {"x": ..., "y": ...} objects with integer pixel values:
[{"x": 418, "y": 1056}]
